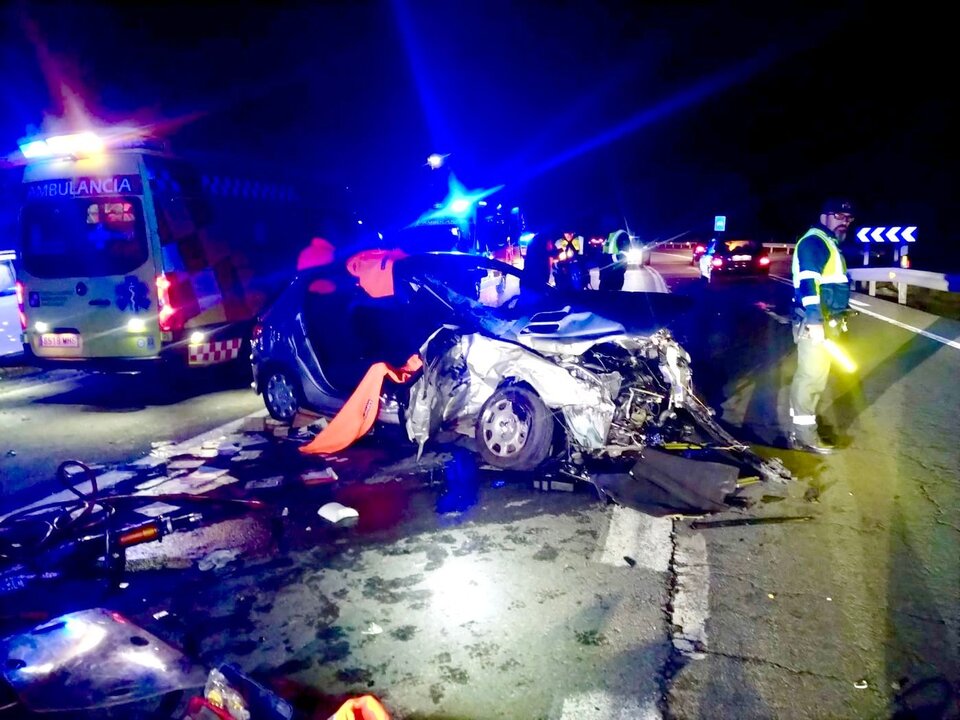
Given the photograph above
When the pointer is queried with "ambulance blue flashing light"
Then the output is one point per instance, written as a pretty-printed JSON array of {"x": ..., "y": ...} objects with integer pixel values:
[
  {"x": 460, "y": 206},
  {"x": 84, "y": 143},
  {"x": 35, "y": 149}
]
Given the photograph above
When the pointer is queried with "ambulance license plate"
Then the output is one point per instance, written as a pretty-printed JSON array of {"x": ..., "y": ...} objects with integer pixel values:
[{"x": 60, "y": 340}]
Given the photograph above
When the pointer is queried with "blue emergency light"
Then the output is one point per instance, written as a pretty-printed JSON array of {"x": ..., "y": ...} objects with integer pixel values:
[{"x": 84, "y": 143}]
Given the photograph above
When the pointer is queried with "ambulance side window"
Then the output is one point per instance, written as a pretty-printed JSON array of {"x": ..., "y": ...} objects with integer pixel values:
[{"x": 178, "y": 196}]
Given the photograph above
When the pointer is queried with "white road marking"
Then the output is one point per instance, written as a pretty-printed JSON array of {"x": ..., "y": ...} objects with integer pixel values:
[
  {"x": 642, "y": 538},
  {"x": 658, "y": 279},
  {"x": 691, "y": 601},
  {"x": 600, "y": 705},
  {"x": 864, "y": 308}
]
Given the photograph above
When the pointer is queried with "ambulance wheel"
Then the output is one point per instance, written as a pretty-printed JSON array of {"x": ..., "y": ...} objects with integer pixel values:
[
  {"x": 514, "y": 429},
  {"x": 282, "y": 394}
]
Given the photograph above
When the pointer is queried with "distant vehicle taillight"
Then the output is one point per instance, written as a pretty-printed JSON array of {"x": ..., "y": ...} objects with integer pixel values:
[
  {"x": 764, "y": 260},
  {"x": 700, "y": 249},
  {"x": 718, "y": 262},
  {"x": 21, "y": 311}
]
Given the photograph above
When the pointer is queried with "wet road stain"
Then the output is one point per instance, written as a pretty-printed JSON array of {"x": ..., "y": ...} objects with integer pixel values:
[
  {"x": 482, "y": 650},
  {"x": 476, "y": 543},
  {"x": 293, "y": 666},
  {"x": 436, "y": 693},
  {"x": 435, "y": 557},
  {"x": 590, "y": 638},
  {"x": 546, "y": 553},
  {"x": 509, "y": 665},
  {"x": 404, "y": 633},
  {"x": 455, "y": 674},
  {"x": 391, "y": 591},
  {"x": 241, "y": 647},
  {"x": 544, "y": 595},
  {"x": 355, "y": 676}
]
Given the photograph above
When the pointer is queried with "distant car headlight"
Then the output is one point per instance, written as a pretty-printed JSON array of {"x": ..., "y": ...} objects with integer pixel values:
[{"x": 634, "y": 255}]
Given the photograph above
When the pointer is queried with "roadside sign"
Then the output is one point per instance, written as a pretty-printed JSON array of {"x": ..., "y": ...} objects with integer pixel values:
[
  {"x": 720, "y": 223},
  {"x": 895, "y": 234}
]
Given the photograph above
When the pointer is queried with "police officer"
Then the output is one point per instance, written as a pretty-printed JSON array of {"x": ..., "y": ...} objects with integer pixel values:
[
  {"x": 822, "y": 294},
  {"x": 567, "y": 263},
  {"x": 570, "y": 240},
  {"x": 614, "y": 271}
]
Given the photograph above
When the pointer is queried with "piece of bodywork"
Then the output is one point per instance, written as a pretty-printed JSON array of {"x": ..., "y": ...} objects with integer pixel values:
[{"x": 92, "y": 659}]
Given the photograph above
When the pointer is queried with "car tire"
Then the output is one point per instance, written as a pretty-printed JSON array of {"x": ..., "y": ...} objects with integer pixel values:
[
  {"x": 282, "y": 394},
  {"x": 514, "y": 429}
]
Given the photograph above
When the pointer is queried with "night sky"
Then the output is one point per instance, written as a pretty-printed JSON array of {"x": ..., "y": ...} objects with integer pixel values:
[{"x": 588, "y": 112}]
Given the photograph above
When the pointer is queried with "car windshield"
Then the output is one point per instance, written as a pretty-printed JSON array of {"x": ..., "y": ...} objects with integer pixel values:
[{"x": 475, "y": 284}]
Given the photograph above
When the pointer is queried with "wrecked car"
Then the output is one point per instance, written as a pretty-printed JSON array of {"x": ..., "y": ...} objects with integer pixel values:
[{"x": 529, "y": 372}]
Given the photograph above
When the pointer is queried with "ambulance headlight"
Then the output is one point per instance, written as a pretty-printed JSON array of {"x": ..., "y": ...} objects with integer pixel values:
[
  {"x": 197, "y": 337},
  {"x": 634, "y": 256},
  {"x": 136, "y": 325},
  {"x": 41, "y": 327}
]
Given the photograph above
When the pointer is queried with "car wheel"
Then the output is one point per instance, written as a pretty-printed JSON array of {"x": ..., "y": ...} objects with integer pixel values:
[
  {"x": 514, "y": 429},
  {"x": 281, "y": 394}
]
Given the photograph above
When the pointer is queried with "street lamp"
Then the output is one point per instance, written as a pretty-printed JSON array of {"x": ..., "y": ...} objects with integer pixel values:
[{"x": 435, "y": 161}]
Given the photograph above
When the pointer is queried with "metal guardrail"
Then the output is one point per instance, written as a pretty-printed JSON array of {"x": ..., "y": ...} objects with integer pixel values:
[
  {"x": 903, "y": 278},
  {"x": 788, "y": 247},
  {"x": 773, "y": 247}
]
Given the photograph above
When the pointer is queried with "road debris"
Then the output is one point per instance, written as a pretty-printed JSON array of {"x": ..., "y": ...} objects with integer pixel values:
[
  {"x": 372, "y": 629},
  {"x": 218, "y": 559},
  {"x": 549, "y": 484},
  {"x": 336, "y": 513},
  {"x": 262, "y": 483},
  {"x": 157, "y": 509},
  {"x": 319, "y": 477},
  {"x": 861, "y": 684}
]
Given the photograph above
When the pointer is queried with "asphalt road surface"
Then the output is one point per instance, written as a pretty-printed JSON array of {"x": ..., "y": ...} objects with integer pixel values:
[{"x": 465, "y": 594}]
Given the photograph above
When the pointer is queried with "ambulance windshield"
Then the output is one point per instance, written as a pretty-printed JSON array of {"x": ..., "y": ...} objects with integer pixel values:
[{"x": 83, "y": 237}]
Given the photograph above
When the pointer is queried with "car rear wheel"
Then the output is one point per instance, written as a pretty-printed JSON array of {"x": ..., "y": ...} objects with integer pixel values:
[
  {"x": 514, "y": 429},
  {"x": 281, "y": 394}
]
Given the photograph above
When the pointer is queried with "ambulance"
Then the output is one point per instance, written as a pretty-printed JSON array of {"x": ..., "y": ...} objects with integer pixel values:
[{"x": 131, "y": 258}]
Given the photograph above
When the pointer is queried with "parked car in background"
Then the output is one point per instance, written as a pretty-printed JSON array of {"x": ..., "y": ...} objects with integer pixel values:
[
  {"x": 9, "y": 315},
  {"x": 734, "y": 258}
]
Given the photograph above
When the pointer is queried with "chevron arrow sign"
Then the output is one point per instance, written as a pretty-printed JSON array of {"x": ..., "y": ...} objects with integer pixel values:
[{"x": 894, "y": 234}]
